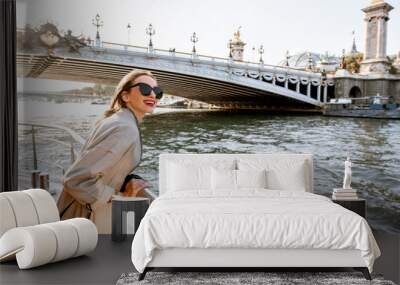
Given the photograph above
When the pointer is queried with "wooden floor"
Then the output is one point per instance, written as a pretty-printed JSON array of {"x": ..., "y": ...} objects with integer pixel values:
[{"x": 111, "y": 259}]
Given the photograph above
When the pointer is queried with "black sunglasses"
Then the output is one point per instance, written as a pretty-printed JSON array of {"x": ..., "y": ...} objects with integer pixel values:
[{"x": 146, "y": 89}]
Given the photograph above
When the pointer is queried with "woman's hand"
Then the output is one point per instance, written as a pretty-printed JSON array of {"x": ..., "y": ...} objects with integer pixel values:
[{"x": 134, "y": 186}]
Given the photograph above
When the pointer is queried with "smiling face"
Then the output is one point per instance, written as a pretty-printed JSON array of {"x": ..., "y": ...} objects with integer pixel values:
[{"x": 136, "y": 101}]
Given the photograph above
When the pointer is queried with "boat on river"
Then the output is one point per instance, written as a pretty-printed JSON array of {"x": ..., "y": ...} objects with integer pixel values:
[
  {"x": 378, "y": 107},
  {"x": 99, "y": 101},
  {"x": 172, "y": 102}
]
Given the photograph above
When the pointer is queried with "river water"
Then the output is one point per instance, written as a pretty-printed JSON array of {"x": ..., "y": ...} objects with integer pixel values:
[{"x": 374, "y": 146}]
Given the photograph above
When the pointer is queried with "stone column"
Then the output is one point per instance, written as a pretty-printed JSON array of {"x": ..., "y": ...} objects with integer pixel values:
[
  {"x": 319, "y": 93},
  {"x": 380, "y": 47},
  {"x": 367, "y": 48},
  {"x": 309, "y": 89},
  {"x": 298, "y": 87},
  {"x": 325, "y": 93},
  {"x": 385, "y": 23},
  {"x": 376, "y": 17}
]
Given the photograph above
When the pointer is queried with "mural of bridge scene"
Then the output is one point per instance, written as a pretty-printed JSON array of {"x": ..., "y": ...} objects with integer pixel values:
[{"x": 222, "y": 82}]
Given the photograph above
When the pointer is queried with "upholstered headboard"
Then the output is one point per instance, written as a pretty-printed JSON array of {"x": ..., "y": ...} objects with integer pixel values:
[{"x": 238, "y": 161}]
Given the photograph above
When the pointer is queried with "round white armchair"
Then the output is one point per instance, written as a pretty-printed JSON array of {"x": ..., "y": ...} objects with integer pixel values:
[{"x": 31, "y": 230}]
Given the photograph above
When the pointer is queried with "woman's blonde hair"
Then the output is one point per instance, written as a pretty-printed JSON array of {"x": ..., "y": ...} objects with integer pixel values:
[{"x": 116, "y": 101}]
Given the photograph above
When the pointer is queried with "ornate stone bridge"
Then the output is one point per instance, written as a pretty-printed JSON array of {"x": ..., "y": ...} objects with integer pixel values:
[{"x": 219, "y": 81}]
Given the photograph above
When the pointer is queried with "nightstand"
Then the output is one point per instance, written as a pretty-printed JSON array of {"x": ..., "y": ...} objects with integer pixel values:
[
  {"x": 122, "y": 207},
  {"x": 358, "y": 206}
]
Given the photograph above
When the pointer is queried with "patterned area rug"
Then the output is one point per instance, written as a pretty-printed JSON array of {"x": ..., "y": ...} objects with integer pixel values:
[{"x": 242, "y": 278}]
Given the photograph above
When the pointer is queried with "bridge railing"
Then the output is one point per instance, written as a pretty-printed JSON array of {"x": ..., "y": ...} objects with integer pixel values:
[
  {"x": 201, "y": 58},
  {"x": 208, "y": 59},
  {"x": 161, "y": 51}
]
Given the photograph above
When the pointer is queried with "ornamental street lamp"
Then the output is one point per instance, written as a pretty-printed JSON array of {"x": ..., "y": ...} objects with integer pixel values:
[
  {"x": 98, "y": 23},
  {"x": 323, "y": 77},
  {"x": 343, "y": 60},
  {"x": 310, "y": 62},
  {"x": 194, "y": 39},
  {"x": 287, "y": 56},
  {"x": 230, "y": 48},
  {"x": 261, "y": 51},
  {"x": 128, "y": 27},
  {"x": 151, "y": 32}
]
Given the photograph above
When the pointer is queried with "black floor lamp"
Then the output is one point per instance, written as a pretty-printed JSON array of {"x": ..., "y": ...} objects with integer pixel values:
[{"x": 8, "y": 98}]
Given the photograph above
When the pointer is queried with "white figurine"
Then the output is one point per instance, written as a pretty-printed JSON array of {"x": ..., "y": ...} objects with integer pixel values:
[{"x": 347, "y": 174}]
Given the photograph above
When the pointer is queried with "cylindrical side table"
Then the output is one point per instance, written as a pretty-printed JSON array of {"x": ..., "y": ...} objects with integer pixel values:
[{"x": 120, "y": 207}]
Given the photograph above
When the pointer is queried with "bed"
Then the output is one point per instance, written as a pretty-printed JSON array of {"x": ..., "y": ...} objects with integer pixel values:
[{"x": 245, "y": 211}]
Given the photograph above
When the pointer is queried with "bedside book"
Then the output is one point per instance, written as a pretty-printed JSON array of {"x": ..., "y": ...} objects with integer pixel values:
[
  {"x": 344, "y": 194},
  {"x": 340, "y": 190},
  {"x": 334, "y": 197}
]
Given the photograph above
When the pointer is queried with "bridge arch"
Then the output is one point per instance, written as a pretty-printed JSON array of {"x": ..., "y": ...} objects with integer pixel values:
[{"x": 355, "y": 92}]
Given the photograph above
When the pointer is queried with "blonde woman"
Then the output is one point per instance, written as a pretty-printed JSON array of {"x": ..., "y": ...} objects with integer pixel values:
[{"x": 110, "y": 154}]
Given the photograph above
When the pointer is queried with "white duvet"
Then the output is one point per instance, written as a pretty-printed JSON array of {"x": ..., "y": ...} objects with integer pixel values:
[{"x": 250, "y": 219}]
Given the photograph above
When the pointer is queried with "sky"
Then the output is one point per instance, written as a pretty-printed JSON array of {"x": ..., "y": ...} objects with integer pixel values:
[{"x": 294, "y": 25}]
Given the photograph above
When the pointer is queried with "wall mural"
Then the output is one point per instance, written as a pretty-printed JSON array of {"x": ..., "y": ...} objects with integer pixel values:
[{"x": 209, "y": 105}]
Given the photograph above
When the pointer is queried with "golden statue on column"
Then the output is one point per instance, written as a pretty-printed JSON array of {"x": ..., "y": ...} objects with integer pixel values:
[{"x": 236, "y": 46}]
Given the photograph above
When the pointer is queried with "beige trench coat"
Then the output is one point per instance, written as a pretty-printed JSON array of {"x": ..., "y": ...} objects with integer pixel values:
[{"x": 112, "y": 151}]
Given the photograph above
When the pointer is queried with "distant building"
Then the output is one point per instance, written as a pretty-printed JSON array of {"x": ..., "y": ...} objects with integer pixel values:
[
  {"x": 328, "y": 63},
  {"x": 373, "y": 63},
  {"x": 311, "y": 61},
  {"x": 354, "y": 50}
]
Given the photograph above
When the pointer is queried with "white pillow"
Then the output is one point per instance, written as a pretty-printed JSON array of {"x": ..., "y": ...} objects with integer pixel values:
[
  {"x": 182, "y": 177},
  {"x": 223, "y": 179},
  {"x": 287, "y": 176},
  {"x": 282, "y": 174},
  {"x": 230, "y": 180},
  {"x": 193, "y": 173},
  {"x": 251, "y": 178}
]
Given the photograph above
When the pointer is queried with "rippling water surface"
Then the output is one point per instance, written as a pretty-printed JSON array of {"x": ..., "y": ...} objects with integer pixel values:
[{"x": 374, "y": 146}]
